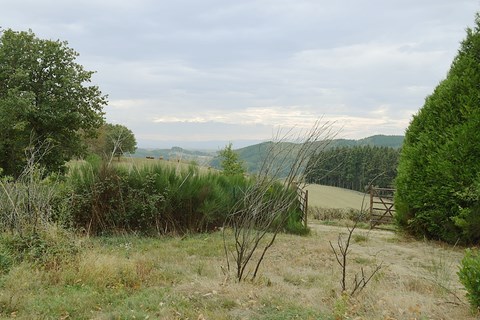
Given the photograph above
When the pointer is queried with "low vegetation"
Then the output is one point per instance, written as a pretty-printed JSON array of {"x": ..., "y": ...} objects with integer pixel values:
[{"x": 152, "y": 199}]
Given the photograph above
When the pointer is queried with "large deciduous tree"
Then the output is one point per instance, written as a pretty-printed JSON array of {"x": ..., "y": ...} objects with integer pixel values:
[
  {"x": 46, "y": 102},
  {"x": 438, "y": 182}
]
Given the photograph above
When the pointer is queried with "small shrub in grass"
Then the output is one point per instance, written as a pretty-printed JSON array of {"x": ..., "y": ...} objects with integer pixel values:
[
  {"x": 47, "y": 248},
  {"x": 469, "y": 275}
]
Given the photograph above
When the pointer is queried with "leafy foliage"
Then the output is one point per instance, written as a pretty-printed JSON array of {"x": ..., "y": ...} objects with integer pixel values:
[
  {"x": 469, "y": 275},
  {"x": 44, "y": 102},
  {"x": 354, "y": 167},
  {"x": 438, "y": 183},
  {"x": 119, "y": 140}
]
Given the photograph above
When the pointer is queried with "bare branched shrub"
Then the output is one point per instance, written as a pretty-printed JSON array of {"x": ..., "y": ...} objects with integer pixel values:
[
  {"x": 26, "y": 203},
  {"x": 271, "y": 198},
  {"x": 341, "y": 252},
  {"x": 361, "y": 279}
]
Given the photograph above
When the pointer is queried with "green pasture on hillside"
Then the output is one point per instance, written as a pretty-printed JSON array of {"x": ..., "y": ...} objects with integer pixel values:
[{"x": 335, "y": 198}]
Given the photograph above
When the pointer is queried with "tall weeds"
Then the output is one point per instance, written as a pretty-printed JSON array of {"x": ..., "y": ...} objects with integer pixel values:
[
  {"x": 27, "y": 203},
  {"x": 29, "y": 208}
]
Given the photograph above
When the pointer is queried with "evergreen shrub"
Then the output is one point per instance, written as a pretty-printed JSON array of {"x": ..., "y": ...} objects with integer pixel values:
[
  {"x": 438, "y": 181},
  {"x": 469, "y": 275}
]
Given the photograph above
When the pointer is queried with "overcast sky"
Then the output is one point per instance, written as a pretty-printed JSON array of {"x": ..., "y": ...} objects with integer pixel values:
[{"x": 186, "y": 71}]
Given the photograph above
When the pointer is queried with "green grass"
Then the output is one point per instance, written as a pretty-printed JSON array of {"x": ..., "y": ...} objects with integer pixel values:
[{"x": 335, "y": 198}]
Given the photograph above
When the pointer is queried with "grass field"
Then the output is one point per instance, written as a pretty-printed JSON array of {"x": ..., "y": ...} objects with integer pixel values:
[
  {"x": 128, "y": 277},
  {"x": 334, "y": 198}
]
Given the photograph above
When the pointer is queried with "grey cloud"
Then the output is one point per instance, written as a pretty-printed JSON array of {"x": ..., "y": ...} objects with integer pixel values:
[{"x": 187, "y": 58}]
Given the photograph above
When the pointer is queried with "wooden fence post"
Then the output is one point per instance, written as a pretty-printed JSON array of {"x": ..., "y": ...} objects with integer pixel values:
[{"x": 305, "y": 214}]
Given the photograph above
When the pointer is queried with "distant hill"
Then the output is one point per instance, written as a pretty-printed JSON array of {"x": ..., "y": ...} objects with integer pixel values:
[
  {"x": 174, "y": 153},
  {"x": 382, "y": 141},
  {"x": 253, "y": 155},
  {"x": 379, "y": 140}
]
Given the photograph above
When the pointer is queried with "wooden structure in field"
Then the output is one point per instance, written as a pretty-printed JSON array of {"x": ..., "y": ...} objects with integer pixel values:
[
  {"x": 303, "y": 199},
  {"x": 381, "y": 206}
]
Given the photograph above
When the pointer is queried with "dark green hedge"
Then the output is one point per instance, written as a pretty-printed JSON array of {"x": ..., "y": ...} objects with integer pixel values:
[{"x": 438, "y": 182}]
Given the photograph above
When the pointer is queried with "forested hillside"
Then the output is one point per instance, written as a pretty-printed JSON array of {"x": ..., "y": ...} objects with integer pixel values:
[
  {"x": 253, "y": 156},
  {"x": 354, "y": 167}
]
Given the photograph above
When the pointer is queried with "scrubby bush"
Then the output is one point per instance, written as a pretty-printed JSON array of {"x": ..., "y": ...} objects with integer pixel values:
[
  {"x": 26, "y": 203},
  {"x": 469, "y": 275},
  {"x": 146, "y": 199}
]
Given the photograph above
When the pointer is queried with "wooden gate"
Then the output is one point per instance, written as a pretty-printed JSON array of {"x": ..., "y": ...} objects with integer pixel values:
[
  {"x": 381, "y": 206},
  {"x": 303, "y": 199}
]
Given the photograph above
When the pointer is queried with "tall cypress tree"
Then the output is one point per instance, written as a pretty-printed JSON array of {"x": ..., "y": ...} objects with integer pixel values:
[{"x": 438, "y": 181}]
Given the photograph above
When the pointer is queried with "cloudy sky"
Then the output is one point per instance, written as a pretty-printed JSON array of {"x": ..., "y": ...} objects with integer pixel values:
[{"x": 183, "y": 72}]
